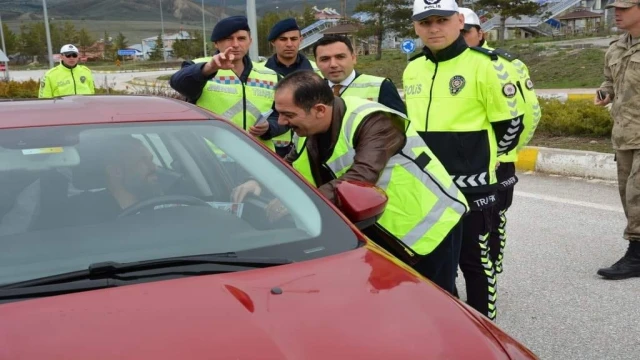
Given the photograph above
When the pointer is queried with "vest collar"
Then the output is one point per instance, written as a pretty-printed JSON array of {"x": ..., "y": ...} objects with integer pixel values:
[{"x": 448, "y": 53}]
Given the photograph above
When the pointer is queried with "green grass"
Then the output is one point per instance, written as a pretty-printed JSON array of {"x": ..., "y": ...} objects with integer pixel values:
[
  {"x": 557, "y": 69},
  {"x": 598, "y": 144}
]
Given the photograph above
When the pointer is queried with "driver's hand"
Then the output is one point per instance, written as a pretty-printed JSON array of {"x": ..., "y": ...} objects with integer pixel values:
[
  {"x": 275, "y": 210},
  {"x": 250, "y": 187}
]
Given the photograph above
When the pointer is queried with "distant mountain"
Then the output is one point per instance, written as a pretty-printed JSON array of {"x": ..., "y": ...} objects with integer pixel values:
[{"x": 147, "y": 10}]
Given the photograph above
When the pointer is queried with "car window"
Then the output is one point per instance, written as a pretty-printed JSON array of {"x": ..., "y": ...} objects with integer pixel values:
[{"x": 71, "y": 196}]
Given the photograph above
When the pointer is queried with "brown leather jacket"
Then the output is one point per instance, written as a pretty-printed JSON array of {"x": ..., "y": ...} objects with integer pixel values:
[{"x": 376, "y": 140}]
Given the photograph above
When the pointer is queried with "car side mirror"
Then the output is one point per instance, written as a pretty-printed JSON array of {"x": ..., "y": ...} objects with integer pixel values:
[{"x": 361, "y": 202}]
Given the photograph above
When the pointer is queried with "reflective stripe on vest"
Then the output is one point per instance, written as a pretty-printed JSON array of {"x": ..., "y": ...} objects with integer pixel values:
[
  {"x": 240, "y": 103},
  {"x": 364, "y": 87},
  {"x": 424, "y": 204}
]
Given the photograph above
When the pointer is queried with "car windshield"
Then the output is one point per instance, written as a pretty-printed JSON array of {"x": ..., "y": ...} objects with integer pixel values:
[{"x": 72, "y": 196}]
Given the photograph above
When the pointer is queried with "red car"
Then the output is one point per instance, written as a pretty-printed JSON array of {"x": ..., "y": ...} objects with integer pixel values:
[{"x": 119, "y": 240}]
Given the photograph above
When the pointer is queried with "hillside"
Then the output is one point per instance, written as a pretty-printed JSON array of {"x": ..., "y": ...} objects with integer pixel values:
[
  {"x": 183, "y": 11},
  {"x": 119, "y": 10}
]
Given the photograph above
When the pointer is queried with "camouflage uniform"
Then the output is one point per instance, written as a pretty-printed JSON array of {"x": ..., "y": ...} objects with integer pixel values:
[{"x": 622, "y": 82}]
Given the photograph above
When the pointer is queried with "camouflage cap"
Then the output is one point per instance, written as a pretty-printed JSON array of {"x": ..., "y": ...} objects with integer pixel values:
[{"x": 624, "y": 4}]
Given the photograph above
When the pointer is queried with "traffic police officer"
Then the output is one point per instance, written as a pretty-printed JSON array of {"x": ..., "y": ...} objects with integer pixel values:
[
  {"x": 506, "y": 172},
  {"x": 229, "y": 84},
  {"x": 465, "y": 105},
  {"x": 355, "y": 139},
  {"x": 68, "y": 78}
]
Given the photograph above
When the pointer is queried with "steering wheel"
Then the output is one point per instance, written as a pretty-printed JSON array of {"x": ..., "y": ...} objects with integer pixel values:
[{"x": 163, "y": 200}]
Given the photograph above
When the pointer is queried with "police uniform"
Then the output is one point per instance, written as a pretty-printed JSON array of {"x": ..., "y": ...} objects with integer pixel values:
[
  {"x": 283, "y": 143},
  {"x": 63, "y": 80},
  {"x": 464, "y": 104},
  {"x": 506, "y": 172},
  {"x": 242, "y": 99}
]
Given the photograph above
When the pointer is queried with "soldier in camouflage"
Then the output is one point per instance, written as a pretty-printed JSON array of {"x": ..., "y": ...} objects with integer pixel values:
[{"x": 622, "y": 90}]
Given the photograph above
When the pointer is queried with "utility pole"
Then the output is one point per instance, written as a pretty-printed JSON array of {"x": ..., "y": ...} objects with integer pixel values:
[
  {"x": 48, "y": 32},
  {"x": 253, "y": 25},
  {"x": 164, "y": 52},
  {"x": 204, "y": 32},
  {"x": 4, "y": 50}
]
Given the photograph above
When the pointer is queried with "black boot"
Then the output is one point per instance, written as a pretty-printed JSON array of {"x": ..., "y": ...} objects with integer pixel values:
[{"x": 627, "y": 267}]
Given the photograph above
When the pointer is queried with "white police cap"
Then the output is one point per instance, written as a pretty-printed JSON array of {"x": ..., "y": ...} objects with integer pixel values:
[
  {"x": 471, "y": 19},
  {"x": 422, "y": 9},
  {"x": 69, "y": 48}
]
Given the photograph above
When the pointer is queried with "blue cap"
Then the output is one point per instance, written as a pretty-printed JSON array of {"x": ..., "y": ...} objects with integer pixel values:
[
  {"x": 282, "y": 27},
  {"x": 227, "y": 26}
]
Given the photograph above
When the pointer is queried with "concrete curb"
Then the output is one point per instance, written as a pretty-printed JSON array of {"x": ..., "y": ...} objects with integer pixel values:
[
  {"x": 155, "y": 83},
  {"x": 132, "y": 71},
  {"x": 585, "y": 164}
]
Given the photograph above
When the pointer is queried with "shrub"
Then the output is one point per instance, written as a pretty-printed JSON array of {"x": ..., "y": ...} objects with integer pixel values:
[
  {"x": 574, "y": 118},
  {"x": 29, "y": 89}
]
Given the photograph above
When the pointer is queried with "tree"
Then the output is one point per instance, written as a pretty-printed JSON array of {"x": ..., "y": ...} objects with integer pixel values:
[
  {"x": 108, "y": 52},
  {"x": 308, "y": 17},
  {"x": 84, "y": 40},
  {"x": 120, "y": 42},
  {"x": 384, "y": 16},
  {"x": 510, "y": 8},
  {"x": 158, "y": 51},
  {"x": 11, "y": 40},
  {"x": 33, "y": 41},
  {"x": 189, "y": 48}
]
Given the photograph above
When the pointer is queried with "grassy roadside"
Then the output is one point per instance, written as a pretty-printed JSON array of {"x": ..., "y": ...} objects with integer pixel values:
[
  {"x": 550, "y": 68},
  {"x": 597, "y": 144}
]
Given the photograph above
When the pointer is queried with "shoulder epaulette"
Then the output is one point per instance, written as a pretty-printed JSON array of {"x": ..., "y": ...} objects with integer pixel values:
[
  {"x": 490, "y": 53},
  {"x": 505, "y": 54},
  {"x": 417, "y": 56}
]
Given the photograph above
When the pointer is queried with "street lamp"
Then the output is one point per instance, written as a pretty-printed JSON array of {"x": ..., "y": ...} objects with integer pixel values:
[
  {"x": 204, "y": 30},
  {"x": 253, "y": 25},
  {"x": 46, "y": 28},
  {"x": 164, "y": 53}
]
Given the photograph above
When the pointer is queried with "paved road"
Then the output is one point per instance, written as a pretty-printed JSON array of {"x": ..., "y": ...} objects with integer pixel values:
[
  {"x": 560, "y": 231},
  {"x": 119, "y": 81}
]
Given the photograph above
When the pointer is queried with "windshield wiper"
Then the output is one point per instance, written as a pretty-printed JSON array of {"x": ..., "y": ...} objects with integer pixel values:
[{"x": 112, "y": 270}]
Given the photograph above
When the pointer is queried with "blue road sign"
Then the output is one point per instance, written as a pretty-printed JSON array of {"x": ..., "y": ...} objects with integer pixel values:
[
  {"x": 126, "y": 52},
  {"x": 408, "y": 46}
]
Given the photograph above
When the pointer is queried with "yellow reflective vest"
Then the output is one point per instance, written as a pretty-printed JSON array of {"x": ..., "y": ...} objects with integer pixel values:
[
  {"x": 241, "y": 103},
  {"x": 424, "y": 204},
  {"x": 61, "y": 81},
  {"x": 453, "y": 105},
  {"x": 365, "y": 87}
]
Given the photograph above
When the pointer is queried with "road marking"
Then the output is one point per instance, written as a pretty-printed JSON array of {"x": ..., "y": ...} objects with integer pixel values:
[{"x": 569, "y": 202}]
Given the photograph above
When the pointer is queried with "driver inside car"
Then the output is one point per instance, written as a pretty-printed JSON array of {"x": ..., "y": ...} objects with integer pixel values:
[{"x": 129, "y": 173}]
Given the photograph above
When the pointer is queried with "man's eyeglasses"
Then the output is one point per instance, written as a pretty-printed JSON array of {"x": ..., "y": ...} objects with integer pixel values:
[{"x": 71, "y": 55}]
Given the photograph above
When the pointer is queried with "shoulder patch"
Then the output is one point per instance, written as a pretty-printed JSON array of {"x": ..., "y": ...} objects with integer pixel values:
[
  {"x": 509, "y": 90},
  {"x": 505, "y": 54},
  {"x": 489, "y": 53},
  {"x": 529, "y": 84}
]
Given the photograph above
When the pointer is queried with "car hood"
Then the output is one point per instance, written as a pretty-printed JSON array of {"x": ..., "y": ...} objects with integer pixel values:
[{"x": 352, "y": 305}]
